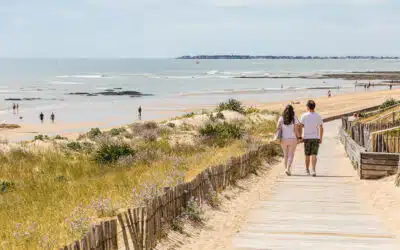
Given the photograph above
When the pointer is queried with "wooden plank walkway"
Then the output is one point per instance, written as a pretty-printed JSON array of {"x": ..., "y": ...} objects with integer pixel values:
[{"x": 322, "y": 212}]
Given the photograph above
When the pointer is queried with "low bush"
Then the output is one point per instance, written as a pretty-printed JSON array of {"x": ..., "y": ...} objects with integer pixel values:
[
  {"x": 76, "y": 146},
  {"x": 189, "y": 115},
  {"x": 59, "y": 137},
  {"x": 252, "y": 110},
  {"x": 194, "y": 211},
  {"x": 117, "y": 131},
  {"x": 220, "y": 116},
  {"x": 232, "y": 104},
  {"x": 6, "y": 185},
  {"x": 388, "y": 103},
  {"x": 222, "y": 133},
  {"x": 93, "y": 133},
  {"x": 111, "y": 152},
  {"x": 41, "y": 137}
]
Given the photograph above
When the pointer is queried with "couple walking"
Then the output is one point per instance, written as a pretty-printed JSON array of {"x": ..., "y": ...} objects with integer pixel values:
[{"x": 290, "y": 131}]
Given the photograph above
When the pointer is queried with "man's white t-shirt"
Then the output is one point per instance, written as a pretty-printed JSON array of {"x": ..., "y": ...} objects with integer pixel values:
[{"x": 311, "y": 122}]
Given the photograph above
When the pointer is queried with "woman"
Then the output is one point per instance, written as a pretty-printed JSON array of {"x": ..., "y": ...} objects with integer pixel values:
[{"x": 290, "y": 135}]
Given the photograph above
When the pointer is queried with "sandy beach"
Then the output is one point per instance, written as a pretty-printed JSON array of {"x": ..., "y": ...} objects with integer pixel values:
[{"x": 337, "y": 104}]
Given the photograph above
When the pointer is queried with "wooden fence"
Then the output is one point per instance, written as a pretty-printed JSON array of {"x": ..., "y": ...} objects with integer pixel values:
[
  {"x": 385, "y": 143},
  {"x": 369, "y": 165},
  {"x": 141, "y": 227},
  {"x": 362, "y": 134}
]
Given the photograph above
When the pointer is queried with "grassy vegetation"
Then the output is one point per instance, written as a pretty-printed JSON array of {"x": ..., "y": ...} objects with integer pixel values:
[
  {"x": 51, "y": 196},
  {"x": 9, "y": 126}
]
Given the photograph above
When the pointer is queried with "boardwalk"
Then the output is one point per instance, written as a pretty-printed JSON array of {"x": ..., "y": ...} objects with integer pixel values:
[{"x": 315, "y": 213}]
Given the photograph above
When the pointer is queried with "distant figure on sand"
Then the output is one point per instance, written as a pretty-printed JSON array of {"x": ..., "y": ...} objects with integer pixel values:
[
  {"x": 390, "y": 86},
  {"x": 313, "y": 134},
  {"x": 329, "y": 93},
  {"x": 17, "y": 107},
  {"x": 41, "y": 117},
  {"x": 288, "y": 126},
  {"x": 14, "y": 107},
  {"x": 140, "y": 112},
  {"x": 52, "y": 117}
]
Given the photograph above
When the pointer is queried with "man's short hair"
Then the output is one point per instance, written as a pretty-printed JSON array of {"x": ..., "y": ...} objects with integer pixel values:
[{"x": 311, "y": 104}]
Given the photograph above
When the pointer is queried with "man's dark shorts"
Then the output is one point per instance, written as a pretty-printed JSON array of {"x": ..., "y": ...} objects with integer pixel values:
[{"x": 311, "y": 146}]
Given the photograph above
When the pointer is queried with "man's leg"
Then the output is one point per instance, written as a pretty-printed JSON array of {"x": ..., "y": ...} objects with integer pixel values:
[
  {"x": 307, "y": 155},
  {"x": 308, "y": 164},
  {"x": 314, "y": 162}
]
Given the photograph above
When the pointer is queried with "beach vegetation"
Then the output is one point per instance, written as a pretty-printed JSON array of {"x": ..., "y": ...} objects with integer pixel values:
[
  {"x": 389, "y": 103},
  {"x": 93, "y": 133},
  {"x": 6, "y": 185},
  {"x": 9, "y": 126},
  {"x": 220, "y": 116},
  {"x": 59, "y": 137},
  {"x": 194, "y": 210},
  {"x": 117, "y": 131},
  {"x": 189, "y": 115},
  {"x": 221, "y": 134},
  {"x": 41, "y": 137},
  {"x": 66, "y": 188},
  {"x": 111, "y": 152},
  {"x": 252, "y": 110},
  {"x": 74, "y": 145},
  {"x": 232, "y": 105}
]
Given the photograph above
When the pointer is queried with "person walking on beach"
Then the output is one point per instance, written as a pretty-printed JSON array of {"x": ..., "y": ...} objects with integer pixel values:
[
  {"x": 288, "y": 124},
  {"x": 313, "y": 127},
  {"x": 41, "y": 117},
  {"x": 14, "y": 107},
  {"x": 140, "y": 112},
  {"x": 390, "y": 86},
  {"x": 329, "y": 93},
  {"x": 52, "y": 117}
]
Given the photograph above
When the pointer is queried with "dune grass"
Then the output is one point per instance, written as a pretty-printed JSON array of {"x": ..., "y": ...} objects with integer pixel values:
[{"x": 49, "y": 197}]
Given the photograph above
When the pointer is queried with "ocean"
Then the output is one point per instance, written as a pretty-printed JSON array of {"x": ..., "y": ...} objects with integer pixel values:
[{"x": 175, "y": 86}]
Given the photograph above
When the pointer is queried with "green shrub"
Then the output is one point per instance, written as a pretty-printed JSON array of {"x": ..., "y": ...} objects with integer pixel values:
[
  {"x": 93, "y": 133},
  {"x": 117, "y": 131},
  {"x": 222, "y": 133},
  {"x": 76, "y": 146},
  {"x": 59, "y": 137},
  {"x": 6, "y": 185},
  {"x": 194, "y": 211},
  {"x": 110, "y": 153},
  {"x": 232, "y": 104},
  {"x": 41, "y": 137},
  {"x": 388, "y": 103},
  {"x": 189, "y": 115},
  {"x": 220, "y": 116},
  {"x": 252, "y": 110}
]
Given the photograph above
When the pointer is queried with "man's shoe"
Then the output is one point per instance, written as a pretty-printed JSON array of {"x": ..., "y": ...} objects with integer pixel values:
[
  {"x": 287, "y": 171},
  {"x": 308, "y": 171},
  {"x": 314, "y": 174}
]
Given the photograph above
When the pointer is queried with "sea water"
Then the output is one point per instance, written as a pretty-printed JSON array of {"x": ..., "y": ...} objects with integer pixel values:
[{"x": 174, "y": 85}]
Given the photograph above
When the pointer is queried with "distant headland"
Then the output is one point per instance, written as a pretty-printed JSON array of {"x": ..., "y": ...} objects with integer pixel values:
[{"x": 247, "y": 57}]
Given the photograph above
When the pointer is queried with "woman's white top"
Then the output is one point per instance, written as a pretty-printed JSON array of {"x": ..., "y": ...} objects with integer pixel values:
[{"x": 288, "y": 130}]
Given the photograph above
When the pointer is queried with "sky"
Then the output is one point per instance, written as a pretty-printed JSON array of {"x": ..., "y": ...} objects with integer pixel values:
[{"x": 170, "y": 28}]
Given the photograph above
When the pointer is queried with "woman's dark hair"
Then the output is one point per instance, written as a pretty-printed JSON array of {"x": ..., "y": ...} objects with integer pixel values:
[{"x": 288, "y": 115}]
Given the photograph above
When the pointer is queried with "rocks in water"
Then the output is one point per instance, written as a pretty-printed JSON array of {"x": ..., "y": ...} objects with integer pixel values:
[
  {"x": 111, "y": 92},
  {"x": 22, "y": 99}
]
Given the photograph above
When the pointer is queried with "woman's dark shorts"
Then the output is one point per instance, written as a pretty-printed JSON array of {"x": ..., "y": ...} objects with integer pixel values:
[{"x": 311, "y": 146}]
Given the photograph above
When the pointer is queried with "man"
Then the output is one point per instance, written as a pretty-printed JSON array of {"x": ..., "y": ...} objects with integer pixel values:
[
  {"x": 52, "y": 117},
  {"x": 313, "y": 134},
  {"x": 140, "y": 112},
  {"x": 41, "y": 117}
]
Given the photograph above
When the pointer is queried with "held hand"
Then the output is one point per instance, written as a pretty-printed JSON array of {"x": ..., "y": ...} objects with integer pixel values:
[{"x": 320, "y": 141}]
